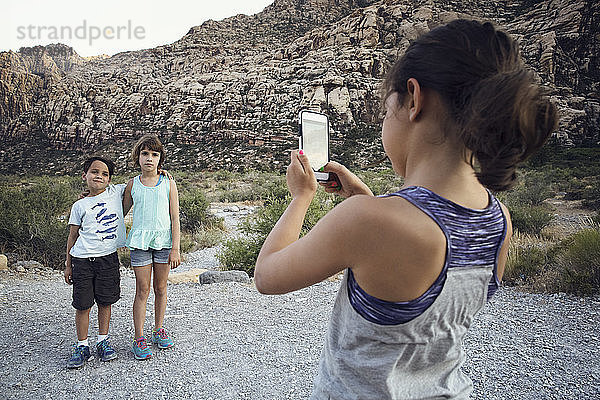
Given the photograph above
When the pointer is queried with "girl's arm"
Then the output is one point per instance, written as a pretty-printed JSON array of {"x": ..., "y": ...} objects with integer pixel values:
[
  {"x": 286, "y": 263},
  {"x": 73, "y": 235},
  {"x": 127, "y": 199},
  {"x": 174, "y": 256},
  {"x": 503, "y": 256}
]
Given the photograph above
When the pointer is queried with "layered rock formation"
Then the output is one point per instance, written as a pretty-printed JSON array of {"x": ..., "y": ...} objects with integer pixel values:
[{"x": 227, "y": 94}]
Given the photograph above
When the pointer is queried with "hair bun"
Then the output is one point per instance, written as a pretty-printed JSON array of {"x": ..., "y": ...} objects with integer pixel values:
[{"x": 506, "y": 118}]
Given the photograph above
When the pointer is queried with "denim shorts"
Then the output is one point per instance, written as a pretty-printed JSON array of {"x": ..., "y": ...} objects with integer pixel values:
[{"x": 139, "y": 258}]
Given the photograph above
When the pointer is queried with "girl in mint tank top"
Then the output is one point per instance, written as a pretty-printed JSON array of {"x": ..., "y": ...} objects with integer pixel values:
[
  {"x": 153, "y": 240},
  {"x": 461, "y": 112}
]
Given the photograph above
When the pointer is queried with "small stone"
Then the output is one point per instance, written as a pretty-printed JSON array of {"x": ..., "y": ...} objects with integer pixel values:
[
  {"x": 3, "y": 262},
  {"x": 20, "y": 268},
  {"x": 223, "y": 276}
]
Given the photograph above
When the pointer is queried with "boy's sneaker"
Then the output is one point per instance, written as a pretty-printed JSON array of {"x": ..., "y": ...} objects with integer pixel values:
[
  {"x": 105, "y": 351},
  {"x": 161, "y": 338},
  {"x": 80, "y": 355},
  {"x": 140, "y": 349}
]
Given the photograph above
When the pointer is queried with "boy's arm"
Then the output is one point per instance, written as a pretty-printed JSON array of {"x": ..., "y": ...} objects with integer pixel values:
[
  {"x": 127, "y": 199},
  {"x": 73, "y": 235},
  {"x": 174, "y": 256}
]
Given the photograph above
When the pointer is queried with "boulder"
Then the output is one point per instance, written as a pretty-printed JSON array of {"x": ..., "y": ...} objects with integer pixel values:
[
  {"x": 223, "y": 276},
  {"x": 187, "y": 276},
  {"x": 3, "y": 262}
]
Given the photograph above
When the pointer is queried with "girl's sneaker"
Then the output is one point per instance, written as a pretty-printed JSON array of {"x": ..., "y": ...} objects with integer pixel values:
[
  {"x": 161, "y": 338},
  {"x": 80, "y": 355},
  {"x": 140, "y": 349}
]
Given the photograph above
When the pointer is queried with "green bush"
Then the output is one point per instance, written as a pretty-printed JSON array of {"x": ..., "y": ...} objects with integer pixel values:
[
  {"x": 591, "y": 194},
  {"x": 579, "y": 260},
  {"x": 532, "y": 188},
  {"x": 34, "y": 217},
  {"x": 193, "y": 208},
  {"x": 530, "y": 219},
  {"x": 241, "y": 253},
  {"x": 525, "y": 264},
  {"x": 382, "y": 181},
  {"x": 253, "y": 187}
]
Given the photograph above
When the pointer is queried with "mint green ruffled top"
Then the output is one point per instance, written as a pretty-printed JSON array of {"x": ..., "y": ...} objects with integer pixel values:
[{"x": 151, "y": 228}]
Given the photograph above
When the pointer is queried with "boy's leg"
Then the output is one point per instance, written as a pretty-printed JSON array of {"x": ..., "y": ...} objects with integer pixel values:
[
  {"x": 143, "y": 276},
  {"x": 103, "y": 319},
  {"x": 83, "y": 294},
  {"x": 82, "y": 323},
  {"x": 107, "y": 288},
  {"x": 83, "y": 299},
  {"x": 108, "y": 291}
]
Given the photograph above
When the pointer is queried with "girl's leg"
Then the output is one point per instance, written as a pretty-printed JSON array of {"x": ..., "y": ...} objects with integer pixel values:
[
  {"x": 161, "y": 273},
  {"x": 142, "y": 290}
]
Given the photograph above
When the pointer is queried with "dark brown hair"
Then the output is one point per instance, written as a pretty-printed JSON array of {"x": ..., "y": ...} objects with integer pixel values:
[
  {"x": 109, "y": 164},
  {"x": 493, "y": 102},
  {"x": 148, "y": 142}
]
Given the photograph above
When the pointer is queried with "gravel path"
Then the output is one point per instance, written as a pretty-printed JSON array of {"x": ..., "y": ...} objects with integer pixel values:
[{"x": 233, "y": 343}]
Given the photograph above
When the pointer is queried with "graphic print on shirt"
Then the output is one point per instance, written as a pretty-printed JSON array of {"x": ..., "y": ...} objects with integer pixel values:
[
  {"x": 108, "y": 221},
  {"x": 99, "y": 205}
]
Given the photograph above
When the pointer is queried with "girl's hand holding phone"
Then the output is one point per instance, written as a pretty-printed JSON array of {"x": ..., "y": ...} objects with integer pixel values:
[
  {"x": 174, "y": 258},
  {"x": 300, "y": 176},
  {"x": 349, "y": 184}
]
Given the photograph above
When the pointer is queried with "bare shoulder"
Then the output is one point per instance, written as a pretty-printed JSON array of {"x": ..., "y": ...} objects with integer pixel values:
[{"x": 387, "y": 220}]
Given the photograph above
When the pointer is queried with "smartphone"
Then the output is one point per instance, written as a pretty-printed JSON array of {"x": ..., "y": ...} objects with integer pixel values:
[{"x": 314, "y": 140}]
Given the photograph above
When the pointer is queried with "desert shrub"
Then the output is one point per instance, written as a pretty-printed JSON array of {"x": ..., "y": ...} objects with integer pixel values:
[
  {"x": 124, "y": 257},
  {"x": 34, "y": 217},
  {"x": 528, "y": 257},
  {"x": 524, "y": 264},
  {"x": 241, "y": 253},
  {"x": 532, "y": 188},
  {"x": 255, "y": 186},
  {"x": 530, "y": 219},
  {"x": 591, "y": 194},
  {"x": 201, "y": 239},
  {"x": 193, "y": 207},
  {"x": 579, "y": 262},
  {"x": 382, "y": 181}
]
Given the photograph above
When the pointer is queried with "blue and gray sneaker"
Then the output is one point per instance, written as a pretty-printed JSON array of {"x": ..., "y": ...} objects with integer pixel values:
[
  {"x": 105, "y": 351},
  {"x": 80, "y": 355},
  {"x": 140, "y": 349},
  {"x": 161, "y": 338}
]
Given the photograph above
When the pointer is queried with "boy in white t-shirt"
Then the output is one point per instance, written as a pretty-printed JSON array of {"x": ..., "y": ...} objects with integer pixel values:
[{"x": 92, "y": 266}]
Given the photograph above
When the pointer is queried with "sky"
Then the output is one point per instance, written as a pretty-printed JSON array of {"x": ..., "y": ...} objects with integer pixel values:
[{"x": 110, "y": 26}]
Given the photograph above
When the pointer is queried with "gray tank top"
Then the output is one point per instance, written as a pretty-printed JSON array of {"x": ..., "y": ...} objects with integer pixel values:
[{"x": 422, "y": 358}]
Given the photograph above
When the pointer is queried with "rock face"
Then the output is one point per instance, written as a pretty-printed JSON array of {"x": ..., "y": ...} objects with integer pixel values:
[{"x": 227, "y": 94}]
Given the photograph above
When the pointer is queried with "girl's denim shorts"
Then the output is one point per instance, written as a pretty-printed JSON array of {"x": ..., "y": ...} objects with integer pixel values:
[{"x": 139, "y": 258}]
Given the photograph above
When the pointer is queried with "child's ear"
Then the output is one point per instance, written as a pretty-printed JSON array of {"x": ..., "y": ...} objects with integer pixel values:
[{"x": 83, "y": 175}]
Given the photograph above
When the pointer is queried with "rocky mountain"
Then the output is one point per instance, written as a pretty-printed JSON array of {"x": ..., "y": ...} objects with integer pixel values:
[{"x": 227, "y": 94}]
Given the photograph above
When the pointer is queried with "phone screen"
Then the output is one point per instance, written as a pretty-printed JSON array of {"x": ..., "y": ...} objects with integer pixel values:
[{"x": 315, "y": 142}]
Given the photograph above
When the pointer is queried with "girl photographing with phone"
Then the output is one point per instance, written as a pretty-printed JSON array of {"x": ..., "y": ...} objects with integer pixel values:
[{"x": 461, "y": 113}]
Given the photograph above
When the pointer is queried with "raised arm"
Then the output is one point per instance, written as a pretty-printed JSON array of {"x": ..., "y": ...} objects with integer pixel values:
[
  {"x": 286, "y": 263},
  {"x": 127, "y": 199}
]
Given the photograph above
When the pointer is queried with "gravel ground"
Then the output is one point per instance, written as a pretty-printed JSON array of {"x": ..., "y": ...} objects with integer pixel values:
[{"x": 233, "y": 343}]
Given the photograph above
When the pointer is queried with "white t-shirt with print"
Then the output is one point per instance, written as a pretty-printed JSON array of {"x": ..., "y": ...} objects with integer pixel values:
[{"x": 100, "y": 221}]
